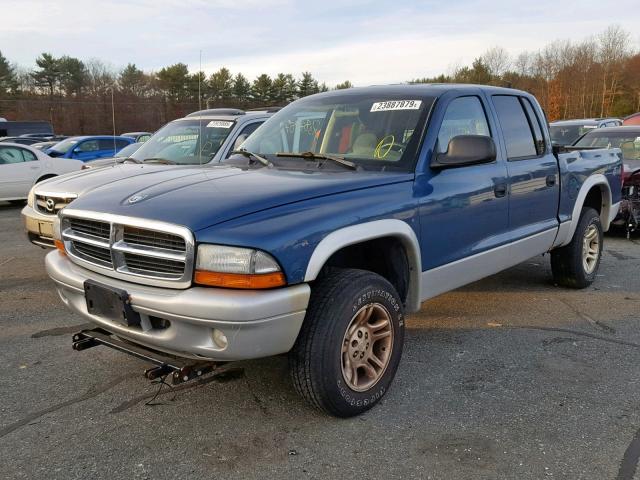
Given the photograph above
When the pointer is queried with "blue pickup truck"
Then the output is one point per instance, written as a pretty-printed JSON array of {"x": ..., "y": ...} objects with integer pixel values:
[{"x": 338, "y": 216}]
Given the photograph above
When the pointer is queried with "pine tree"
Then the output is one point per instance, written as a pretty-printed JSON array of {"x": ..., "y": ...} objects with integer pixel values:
[
  {"x": 8, "y": 78},
  {"x": 49, "y": 74},
  {"x": 241, "y": 88},
  {"x": 261, "y": 90}
]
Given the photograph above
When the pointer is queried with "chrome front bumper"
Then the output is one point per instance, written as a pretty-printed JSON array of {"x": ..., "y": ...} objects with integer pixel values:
[
  {"x": 255, "y": 323},
  {"x": 39, "y": 227}
]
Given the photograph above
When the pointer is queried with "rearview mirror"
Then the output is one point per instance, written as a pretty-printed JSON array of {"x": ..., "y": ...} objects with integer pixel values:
[{"x": 466, "y": 150}]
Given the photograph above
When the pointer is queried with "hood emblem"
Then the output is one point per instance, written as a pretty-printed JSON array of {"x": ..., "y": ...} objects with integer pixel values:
[
  {"x": 137, "y": 197},
  {"x": 50, "y": 204}
]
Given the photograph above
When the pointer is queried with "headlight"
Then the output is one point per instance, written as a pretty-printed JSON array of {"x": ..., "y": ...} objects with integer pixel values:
[
  {"x": 31, "y": 198},
  {"x": 233, "y": 267}
]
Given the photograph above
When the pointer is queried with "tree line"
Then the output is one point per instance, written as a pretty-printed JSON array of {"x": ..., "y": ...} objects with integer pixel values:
[
  {"x": 595, "y": 77},
  {"x": 76, "y": 96}
]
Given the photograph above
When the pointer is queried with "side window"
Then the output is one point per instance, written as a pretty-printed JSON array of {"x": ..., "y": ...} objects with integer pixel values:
[
  {"x": 143, "y": 138},
  {"x": 88, "y": 146},
  {"x": 244, "y": 134},
  {"x": 10, "y": 155},
  {"x": 119, "y": 144},
  {"x": 105, "y": 144},
  {"x": 515, "y": 127},
  {"x": 534, "y": 122},
  {"x": 464, "y": 116},
  {"x": 28, "y": 156}
]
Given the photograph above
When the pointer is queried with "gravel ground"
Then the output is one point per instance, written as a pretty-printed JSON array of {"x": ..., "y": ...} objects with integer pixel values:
[{"x": 507, "y": 378}]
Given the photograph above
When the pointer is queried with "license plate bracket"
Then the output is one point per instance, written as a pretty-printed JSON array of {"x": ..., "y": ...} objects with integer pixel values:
[{"x": 112, "y": 303}]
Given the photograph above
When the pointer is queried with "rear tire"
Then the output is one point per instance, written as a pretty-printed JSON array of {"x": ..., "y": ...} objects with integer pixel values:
[
  {"x": 576, "y": 265},
  {"x": 349, "y": 347}
]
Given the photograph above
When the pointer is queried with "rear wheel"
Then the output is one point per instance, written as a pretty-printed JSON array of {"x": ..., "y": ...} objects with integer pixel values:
[
  {"x": 576, "y": 264},
  {"x": 350, "y": 344}
]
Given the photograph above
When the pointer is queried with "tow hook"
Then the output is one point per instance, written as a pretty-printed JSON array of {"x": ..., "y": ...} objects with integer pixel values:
[{"x": 180, "y": 370}]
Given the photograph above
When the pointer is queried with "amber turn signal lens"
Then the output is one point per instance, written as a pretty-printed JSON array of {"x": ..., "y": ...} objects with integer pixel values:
[
  {"x": 60, "y": 246},
  {"x": 239, "y": 280}
]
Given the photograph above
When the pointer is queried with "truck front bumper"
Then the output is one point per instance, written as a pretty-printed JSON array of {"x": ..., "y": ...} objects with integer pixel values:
[
  {"x": 39, "y": 227},
  {"x": 255, "y": 323}
]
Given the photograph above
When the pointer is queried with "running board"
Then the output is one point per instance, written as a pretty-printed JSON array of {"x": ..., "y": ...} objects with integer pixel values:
[{"x": 181, "y": 370}]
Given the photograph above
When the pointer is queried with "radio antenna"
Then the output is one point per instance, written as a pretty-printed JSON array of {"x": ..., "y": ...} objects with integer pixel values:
[
  {"x": 200, "y": 133},
  {"x": 113, "y": 122}
]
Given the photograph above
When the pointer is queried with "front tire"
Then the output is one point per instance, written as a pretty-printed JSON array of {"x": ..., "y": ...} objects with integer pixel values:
[
  {"x": 575, "y": 265},
  {"x": 350, "y": 344}
]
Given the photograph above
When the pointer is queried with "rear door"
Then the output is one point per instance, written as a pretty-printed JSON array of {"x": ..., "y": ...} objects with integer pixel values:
[
  {"x": 19, "y": 169},
  {"x": 534, "y": 190}
]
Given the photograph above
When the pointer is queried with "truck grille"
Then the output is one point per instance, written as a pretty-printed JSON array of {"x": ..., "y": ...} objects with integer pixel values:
[
  {"x": 52, "y": 204},
  {"x": 137, "y": 250},
  {"x": 139, "y": 236}
]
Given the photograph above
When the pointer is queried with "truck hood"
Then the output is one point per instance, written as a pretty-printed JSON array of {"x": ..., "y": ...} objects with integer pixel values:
[
  {"x": 83, "y": 181},
  {"x": 199, "y": 197}
]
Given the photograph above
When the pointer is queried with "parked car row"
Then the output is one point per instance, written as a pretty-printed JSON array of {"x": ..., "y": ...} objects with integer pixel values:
[{"x": 313, "y": 230}]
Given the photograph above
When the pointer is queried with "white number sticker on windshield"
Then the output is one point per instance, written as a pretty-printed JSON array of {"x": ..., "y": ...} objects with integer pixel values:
[
  {"x": 219, "y": 124},
  {"x": 396, "y": 105}
]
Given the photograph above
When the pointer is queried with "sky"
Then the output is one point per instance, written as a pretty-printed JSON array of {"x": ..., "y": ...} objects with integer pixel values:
[{"x": 366, "y": 42}]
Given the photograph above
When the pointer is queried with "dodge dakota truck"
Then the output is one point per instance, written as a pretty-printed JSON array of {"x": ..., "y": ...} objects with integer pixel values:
[{"x": 340, "y": 215}]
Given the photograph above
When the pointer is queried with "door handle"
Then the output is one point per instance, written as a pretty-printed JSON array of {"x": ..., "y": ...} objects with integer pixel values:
[
  {"x": 551, "y": 180},
  {"x": 34, "y": 168},
  {"x": 500, "y": 190}
]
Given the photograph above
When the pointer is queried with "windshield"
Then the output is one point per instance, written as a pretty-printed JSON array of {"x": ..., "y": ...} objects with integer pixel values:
[
  {"x": 373, "y": 130},
  {"x": 186, "y": 142},
  {"x": 64, "y": 146},
  {"x": 567, "y": 134}
]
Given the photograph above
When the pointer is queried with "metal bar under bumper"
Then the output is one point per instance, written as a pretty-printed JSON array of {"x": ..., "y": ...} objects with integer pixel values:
[{"x": 181, "y": 370}]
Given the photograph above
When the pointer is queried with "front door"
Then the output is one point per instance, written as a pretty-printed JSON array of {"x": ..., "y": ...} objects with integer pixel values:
[{"x": 463, "y": 211}]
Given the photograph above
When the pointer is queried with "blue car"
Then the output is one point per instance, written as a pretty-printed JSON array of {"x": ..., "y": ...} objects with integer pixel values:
[{"x": 89, "y": 148}]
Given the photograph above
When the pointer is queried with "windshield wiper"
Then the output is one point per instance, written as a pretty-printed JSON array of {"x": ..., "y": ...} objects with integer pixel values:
[
  {"x": 159, "y": 160},
  {"x": 319, "y": 156},
  {"x": 128, "y": 159},
  {"x": 251, "y": 155}
]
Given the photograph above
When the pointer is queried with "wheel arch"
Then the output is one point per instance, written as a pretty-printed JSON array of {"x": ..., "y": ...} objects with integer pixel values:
[
  {"x": 364, "y": 232},
  {"x": 595, "y": 192},
  {"x": 46, "y": 176}
]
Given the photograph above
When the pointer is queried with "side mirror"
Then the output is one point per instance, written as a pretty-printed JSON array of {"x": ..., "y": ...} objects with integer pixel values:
[{"x": 466, "y": 150}]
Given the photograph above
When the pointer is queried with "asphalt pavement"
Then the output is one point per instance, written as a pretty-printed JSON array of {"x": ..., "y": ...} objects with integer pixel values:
[{"x": 507, "y": 378}]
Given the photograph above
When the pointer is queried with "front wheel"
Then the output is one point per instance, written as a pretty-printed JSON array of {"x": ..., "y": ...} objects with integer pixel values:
[
  {"x": 575, "y": 265},
  {"x": 350, "y": 344}
]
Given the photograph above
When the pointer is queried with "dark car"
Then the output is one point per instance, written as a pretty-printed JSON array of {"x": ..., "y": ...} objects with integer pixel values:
[
  {"x": 43, "y": 146},
  {"x": 21, "y": 140},
  {"x": 566, "y": 132},
  {"x": 138, "y": 137},
  {"x": 627, "y": 139}
]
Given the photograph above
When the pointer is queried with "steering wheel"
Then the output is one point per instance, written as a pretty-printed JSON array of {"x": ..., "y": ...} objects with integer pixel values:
[{"x": 386, "y": 145}]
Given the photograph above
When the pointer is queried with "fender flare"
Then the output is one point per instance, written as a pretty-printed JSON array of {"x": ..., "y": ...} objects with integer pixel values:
[
  {"x": 353, "y": 234},
  {"x": 597, "y": 180}
]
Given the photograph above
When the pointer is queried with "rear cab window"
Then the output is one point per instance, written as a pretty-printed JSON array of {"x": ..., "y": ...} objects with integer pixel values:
[{"x": 519, "y": 132}]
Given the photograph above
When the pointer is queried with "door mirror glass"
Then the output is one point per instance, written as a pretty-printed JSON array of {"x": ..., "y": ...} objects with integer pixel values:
[{"x": 466, "y": 150}]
